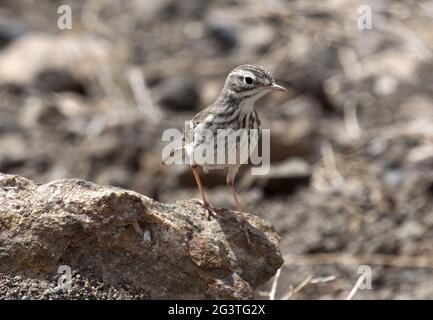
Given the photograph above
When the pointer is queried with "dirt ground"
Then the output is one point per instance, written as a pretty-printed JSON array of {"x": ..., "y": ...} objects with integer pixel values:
[{"x": 351, "y": 180}]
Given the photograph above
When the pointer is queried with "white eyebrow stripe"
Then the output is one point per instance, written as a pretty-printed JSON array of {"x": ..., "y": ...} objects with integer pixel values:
[{"x": 244, "y": 74}]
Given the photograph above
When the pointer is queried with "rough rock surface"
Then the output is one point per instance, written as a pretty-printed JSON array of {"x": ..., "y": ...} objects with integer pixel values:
[{"x": 129, "y": 240}]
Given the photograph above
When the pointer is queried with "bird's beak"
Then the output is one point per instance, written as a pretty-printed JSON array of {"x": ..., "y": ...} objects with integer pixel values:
[{"x": 277, "y": 87}]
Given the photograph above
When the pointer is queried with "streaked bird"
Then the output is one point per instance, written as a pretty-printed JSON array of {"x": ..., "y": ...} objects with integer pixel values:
[{"x": 232, "y": 110}]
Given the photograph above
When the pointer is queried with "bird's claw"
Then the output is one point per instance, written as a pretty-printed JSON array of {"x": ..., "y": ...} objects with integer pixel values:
[{"x": 211, "y": 211}]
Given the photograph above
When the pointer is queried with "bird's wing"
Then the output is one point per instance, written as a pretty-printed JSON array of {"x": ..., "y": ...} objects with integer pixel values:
[
  {"x": 191, "y": 126},
  {"x": 188, "y": 135}
]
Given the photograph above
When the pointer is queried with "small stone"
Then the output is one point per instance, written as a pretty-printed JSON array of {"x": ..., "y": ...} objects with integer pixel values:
[
  {"x": 385, "y": 86},
  {"x": 285, "y": 177},
  {"x": 258, "y": 37},
  {"x": 180, "y": 94},
  {"x": 9, "y": 33},
  {"x": 52, "y": 80},
  {"x": 147, "y": 237},
  {"x": 224, "y": 36}
]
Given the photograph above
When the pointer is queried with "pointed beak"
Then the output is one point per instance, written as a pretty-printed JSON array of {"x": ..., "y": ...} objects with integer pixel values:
[{"x": 277, "y": 87}]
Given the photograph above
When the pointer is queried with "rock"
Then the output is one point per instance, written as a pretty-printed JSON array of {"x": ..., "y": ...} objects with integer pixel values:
[
  {"x": 147, "y": 11},
  {"x": 385, "y": 86},
  {"x": 180, "y": 94},
  {"x": 9, "y": 33},
  {"x": 393, "y": 63},
  {"x": 37, "y": 113},
  {"x": 15, "y": 288},
  {"x": 224, "y": 36},
  {"x": 16, "y": 155},
  {"x": 82, "y": 56},
  {"x": 283, "y": 178},
  {"x": 422, "y": 155},
  {"x": 392, "y": 179},
  {"x": 410, "y": 229},
  {"x": 114, "y": 176},
  {"x": 169, "y": 251},
  {"x": 209, "y": 91},
  {"x": 294, "y": 129},
  {"x": 59, "y": 81},
  {"x": 258, "y": 37}
]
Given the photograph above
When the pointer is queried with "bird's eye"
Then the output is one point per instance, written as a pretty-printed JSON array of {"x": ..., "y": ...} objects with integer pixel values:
[{"x": 248, "y": 80}]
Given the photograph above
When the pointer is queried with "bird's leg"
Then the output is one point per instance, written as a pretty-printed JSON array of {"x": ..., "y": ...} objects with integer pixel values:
[
  {"x": 199, "y": 184},
  {"x": 231, "y": 184},
  {"x": 205, "y": 204},
  {"x": 232, "y": 189}
]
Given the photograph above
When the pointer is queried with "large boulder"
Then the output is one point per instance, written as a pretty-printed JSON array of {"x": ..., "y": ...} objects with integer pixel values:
[{"x": 168, "y": 251}]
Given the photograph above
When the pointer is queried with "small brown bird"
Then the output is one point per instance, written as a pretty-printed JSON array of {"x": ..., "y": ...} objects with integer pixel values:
[{"x": 233, "y": 109}]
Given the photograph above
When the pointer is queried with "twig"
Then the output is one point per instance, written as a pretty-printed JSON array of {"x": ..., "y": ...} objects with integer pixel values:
[
  {"x": 356, "y": 287},
  {"x": 90, "y": 17},
  {"x": 298, "y": 288},
  {"x": 331, "y": 164},
  {"x": 371, "y": 259},
  {"x": 323, "y": 279},
  {"x": 407, "y": 36},
  {"x": 351, "y": 120},
  {"x": 351, "y": 65},
  {"x": 274, "y": 285},
  {"x": 142, "y": 95}
]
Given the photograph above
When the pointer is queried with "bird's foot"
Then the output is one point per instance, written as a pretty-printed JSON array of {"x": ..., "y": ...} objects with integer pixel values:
[{"x": 211, "y": 210}]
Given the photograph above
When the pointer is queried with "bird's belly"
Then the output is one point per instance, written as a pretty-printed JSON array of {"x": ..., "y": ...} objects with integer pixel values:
[
  {"x": 224, "y": 145},
  {"x": 223, "y": 151}
]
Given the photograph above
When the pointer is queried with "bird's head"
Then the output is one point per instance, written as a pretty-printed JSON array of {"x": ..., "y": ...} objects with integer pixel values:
[{"x": 250, "y": 81}]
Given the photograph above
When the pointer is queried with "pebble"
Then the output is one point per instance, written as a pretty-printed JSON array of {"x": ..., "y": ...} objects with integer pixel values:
[
  {"x": 224, "y": 36},
  {"x": 180, "y": 94}
]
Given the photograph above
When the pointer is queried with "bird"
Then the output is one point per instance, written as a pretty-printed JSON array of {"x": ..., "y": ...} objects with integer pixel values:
[{"x": 233, "y": 109}]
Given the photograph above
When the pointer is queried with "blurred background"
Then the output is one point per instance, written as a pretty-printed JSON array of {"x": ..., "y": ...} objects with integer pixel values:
[{"x": 351, "y": 180}]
